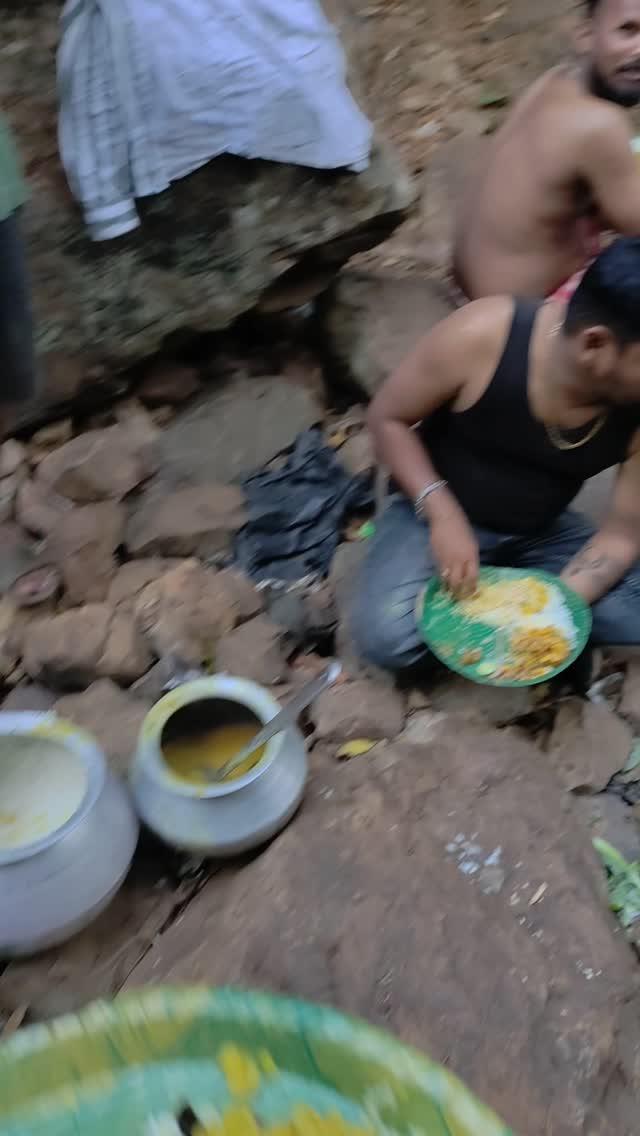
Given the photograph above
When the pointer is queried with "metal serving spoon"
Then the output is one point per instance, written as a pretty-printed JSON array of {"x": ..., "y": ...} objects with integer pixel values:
[{"x": 282, "y": 721}]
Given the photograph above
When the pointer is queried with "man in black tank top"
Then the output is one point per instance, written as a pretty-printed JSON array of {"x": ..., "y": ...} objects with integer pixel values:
[{"x": 488, "y": 430}]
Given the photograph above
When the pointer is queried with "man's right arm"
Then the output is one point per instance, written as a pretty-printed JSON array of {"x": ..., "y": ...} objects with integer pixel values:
[{"x": 612, "y": 171}]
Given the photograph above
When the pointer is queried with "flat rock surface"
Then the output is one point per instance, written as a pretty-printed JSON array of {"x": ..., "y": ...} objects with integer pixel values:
[
  {"x": 457, "y": 903},
  {"x": 235, "y": 429}
]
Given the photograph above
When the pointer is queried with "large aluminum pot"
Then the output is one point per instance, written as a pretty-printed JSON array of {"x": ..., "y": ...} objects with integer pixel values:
[
  {"x": 68, "y": 832},
  {"x": 218, "y": 819}
]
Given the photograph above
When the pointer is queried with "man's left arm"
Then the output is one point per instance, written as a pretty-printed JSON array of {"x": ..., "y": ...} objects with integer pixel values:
[{"x": 615, "y": 547}]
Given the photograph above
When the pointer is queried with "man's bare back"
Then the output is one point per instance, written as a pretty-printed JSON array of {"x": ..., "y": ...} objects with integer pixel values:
[{"x": 559, "y": 169}]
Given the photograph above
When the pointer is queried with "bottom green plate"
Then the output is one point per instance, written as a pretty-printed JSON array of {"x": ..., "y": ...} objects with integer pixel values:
[
  {"x": 452, "y": 635},
  {"x": 235, "y": 1058}
]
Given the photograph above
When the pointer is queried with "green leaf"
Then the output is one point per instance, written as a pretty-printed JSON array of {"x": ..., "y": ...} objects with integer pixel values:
[
  {"x": 623, "y": 883},
  {"x": 491, "y": 97}
]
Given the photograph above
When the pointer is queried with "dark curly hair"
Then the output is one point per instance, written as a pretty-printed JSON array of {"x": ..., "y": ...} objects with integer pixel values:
[{"x": 610, "y": 292}]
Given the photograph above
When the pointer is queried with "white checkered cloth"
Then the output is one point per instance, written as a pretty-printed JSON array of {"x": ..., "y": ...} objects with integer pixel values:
[{"x": 152, "y": 89}]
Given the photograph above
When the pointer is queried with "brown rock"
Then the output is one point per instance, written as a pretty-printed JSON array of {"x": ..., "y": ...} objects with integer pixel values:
[
  {"x": 185, "y": 613},
  {"x": 125, "y": 656},
  {"x": 29, "y": 696},
  {"x": 83, "y": 546},
  {"x": 372, "y": 322},
  {"x": 13, "y": 455},
  {"x": 198, "y": 521},
  {"x": 18, "y": 555},
  {"x": 170, "y": 383},
  {"x": 65, "y": 651},
  {"x": 8, "y": 492},
  {"x": 588, "y": 746},
  {"x": 254, "y": 651},
  {"x": 71, "y": 650},
  {"x": 113, "y": 718},
  {"x": 630, "y": 703},
  {"x": 39, "y": 509},
  {"x": 99, "y": 465},
  {"x": 132, "y": 578},
  {"x": 424, "y": 871},
  {"x": 611, "y": 819},
  {"x": 360, "y": 709},
  {"x": 249, "y": 600},
  {"x": 498, "y": 705}
]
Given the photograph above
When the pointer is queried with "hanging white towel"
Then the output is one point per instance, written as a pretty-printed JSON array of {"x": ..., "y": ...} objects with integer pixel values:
[{"x": 152, "y": 89}]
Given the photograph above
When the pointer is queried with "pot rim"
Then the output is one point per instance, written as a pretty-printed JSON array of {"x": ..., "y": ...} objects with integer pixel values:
[
  {"x": 225, "y": 687},
  {"x": 49, "y": 727}
]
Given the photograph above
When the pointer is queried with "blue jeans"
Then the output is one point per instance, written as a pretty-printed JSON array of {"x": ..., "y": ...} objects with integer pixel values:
[{"x": 399, "y": 562}]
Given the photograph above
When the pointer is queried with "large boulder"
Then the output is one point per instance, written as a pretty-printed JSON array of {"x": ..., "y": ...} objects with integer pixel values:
[
  {"x": 456, "y": 902},
  {"x": 212, "y": 247}
]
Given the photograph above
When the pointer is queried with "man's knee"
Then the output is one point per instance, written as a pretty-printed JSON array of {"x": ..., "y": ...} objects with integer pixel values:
[
  {"x": 382, "y": 639},
  {"x": 616, "y": 617}
]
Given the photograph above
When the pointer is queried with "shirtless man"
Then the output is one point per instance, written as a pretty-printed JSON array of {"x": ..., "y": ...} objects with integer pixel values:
[
  {"x": 515, "y": 404},
  {"x": 559, "y": 171}
]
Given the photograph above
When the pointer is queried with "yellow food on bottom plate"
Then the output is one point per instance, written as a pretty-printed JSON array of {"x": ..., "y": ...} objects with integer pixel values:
[
  {"x": 535, "y": 652},
  {"x": 240, "y": 1121}
]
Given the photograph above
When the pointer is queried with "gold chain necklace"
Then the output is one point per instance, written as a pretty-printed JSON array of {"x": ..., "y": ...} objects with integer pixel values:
[{"x": 554, "y": 434}]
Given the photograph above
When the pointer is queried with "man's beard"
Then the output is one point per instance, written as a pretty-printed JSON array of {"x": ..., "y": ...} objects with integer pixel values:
[{"x": 602, "y": 89}]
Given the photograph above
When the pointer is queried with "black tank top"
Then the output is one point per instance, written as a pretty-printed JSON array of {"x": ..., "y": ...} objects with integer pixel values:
[{"x": 499, "y": 460}]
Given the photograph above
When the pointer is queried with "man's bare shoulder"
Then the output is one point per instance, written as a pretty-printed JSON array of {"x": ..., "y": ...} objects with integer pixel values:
[
  {"x": 595, "y": 123},
  {"x": 480, "y": 322},
  {"x": 471, "y": 338}
]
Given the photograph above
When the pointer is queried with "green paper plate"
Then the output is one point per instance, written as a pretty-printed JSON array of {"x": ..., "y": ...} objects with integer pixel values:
[
  {"x": 129, "y": 1066},
  {"x": 451, "y": 635}
]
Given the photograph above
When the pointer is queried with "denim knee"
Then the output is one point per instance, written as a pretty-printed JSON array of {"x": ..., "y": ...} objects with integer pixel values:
[
  {"x": 616, "y": 617},
  {"x": 384, "y": 640}
]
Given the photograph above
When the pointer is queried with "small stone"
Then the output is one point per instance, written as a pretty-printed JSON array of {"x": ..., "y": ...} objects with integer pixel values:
[
  {"x": 253, "y": 651},
  {"x": 29, "y": 696},
  {"x": 64, "y": 651},
  {"x": 83, "y": 546},
  {"x": 151, "y": 687},
  {"x": 357, "y": 455},
  {"x": 588, "y": 746},
  {"x": 126, "y": 655},
  {"x": 18, "y": 555},
  {"x": 360, "y": 709},
  {"x": 101, "y": 464},
  {"x": 70, "y": 650},
  {"x": 39, "y": 509},
  {"x": 629, "y": 706},
  {"x": 199, "y": 521},
  {"x": 168, "y": 382},
  {"x": 185, "y": 613},
  {"x": 343, "y": 582},
  {"x": 113, "y": 717},
  {"x": 8, "y": 492},
  {"x": 13, "y": 455},
  {"x": 610, "y": 819},
  {"x": 249, "y": 600},
  {"x": 132, "y": 578},
  {"x": 54, "y": 435}
]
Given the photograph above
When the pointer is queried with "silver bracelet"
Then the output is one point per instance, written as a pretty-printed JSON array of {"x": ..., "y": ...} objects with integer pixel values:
[{"x": 426, "y": 492}]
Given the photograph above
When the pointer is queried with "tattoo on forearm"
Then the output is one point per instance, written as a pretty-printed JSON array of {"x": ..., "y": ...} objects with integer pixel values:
[{"x": 602, "y": 567}]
